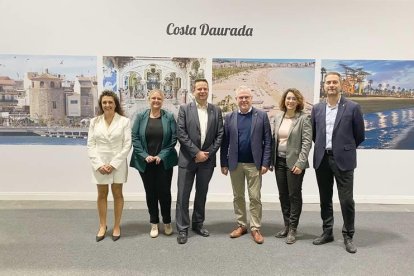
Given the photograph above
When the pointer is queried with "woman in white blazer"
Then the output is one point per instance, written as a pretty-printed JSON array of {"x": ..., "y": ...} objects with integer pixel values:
[
  {"x": 109, "y": 142},
  {"x": 292, "y": 143}
]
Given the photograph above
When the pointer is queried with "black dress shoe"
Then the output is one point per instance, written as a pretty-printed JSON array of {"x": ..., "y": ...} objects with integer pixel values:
[
  {"x": 115, "y": 238},
  {"x": 282, "y": 233},
  {"x": 201, "y": 231},
  {"x": 349, "y": 246},
  {"x": 99, "y": 238},
  {"x": 323, "y": 239},
  {"x": 182, "y": 237}
]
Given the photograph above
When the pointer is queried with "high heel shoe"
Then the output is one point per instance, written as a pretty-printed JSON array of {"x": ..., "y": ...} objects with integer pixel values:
[
  {"x": 99, "y": 238},
  {"x": 115, "y": 238}
]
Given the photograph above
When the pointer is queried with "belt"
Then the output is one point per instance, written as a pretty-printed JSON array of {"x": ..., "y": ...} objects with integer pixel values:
[{"x": 329, "y": 152}]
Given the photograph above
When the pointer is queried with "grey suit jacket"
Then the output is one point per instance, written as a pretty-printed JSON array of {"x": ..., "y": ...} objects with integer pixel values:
[
  {"x": 188, "y": 134},
  {"x": 299, "y": 140},
  {"x": 348, "y": 133}
]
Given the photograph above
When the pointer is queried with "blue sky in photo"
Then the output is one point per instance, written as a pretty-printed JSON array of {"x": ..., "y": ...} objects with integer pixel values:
[
  {"x": 394, "y": 72},
  {"x": 15, "y": 66}
]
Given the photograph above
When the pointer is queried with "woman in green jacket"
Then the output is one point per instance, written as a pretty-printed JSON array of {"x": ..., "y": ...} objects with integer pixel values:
[{"x": 154, "y": 156}]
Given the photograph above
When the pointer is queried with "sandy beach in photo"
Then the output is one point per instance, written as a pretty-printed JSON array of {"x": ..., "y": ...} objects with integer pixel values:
[{"x": 267, "y": 85}]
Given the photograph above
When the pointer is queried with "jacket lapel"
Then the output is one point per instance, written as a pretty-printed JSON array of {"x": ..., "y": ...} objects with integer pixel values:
[
  {"x": 278, "y": 122},
  {"x": 254, "y": 120},
  {"x": 143, "y": 125},
  {"x": 164, "y": 123},
  {"x": 194, "y": 114},
  {"x": 341, "y": 109},
  {"x": 294, "y": 123},
  {"x": 210, "y": 119},
  {"x": 114, "y": 123}
]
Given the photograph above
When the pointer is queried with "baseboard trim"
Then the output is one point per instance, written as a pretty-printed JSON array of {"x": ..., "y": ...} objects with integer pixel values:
[{"x": 212, "y": 197}]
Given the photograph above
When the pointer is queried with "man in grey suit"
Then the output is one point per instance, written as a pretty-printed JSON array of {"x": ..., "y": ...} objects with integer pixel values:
[
  {"x": 246, "y": 153},
  {"x": 199, "y": 131},
  {"x": 338, "y": 129}
]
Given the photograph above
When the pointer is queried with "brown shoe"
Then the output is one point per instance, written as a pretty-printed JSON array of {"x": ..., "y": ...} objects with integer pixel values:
[
  {"x": 238, "y": 232},
  {"x": 257, "y": 237}
]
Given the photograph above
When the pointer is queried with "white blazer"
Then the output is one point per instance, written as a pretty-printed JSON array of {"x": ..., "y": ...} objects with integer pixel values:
[{"x": 109, "y": 145}]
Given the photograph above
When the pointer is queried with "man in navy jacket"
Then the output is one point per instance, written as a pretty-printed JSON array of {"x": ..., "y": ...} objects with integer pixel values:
[
  {"x": 246, "y": 153},
  {"x": 338, "y": 129}
]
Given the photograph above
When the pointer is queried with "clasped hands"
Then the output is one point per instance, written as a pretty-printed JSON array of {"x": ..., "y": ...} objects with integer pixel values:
[
  {"x": 201, "y": 156},
  {"x": 106, "y": 169},
  {"x": 150, "y": 159}
]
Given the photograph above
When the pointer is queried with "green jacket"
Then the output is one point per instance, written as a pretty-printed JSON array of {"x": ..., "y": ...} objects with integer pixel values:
[{"x": 168, "y": 154}]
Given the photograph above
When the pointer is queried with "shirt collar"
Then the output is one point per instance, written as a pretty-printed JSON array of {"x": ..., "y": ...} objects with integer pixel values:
[
  {"x": 334, "y": 106},
  {"x": 201, "y": 106},
  {"x": 250, "y": 109}
]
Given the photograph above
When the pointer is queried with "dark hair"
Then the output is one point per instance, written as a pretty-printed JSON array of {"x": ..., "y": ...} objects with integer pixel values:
[
  {"x": 299, "y": 98},
  {"x": 199, "y": 80},
  {"x": 335, "y": 74},
  {"x": 112, "y": 94}
]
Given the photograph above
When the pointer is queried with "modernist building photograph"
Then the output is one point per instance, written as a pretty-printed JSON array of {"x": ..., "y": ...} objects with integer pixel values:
[{"x": 134, "y": 77}]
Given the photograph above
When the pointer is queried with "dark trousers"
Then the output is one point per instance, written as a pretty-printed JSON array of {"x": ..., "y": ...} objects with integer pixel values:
[
  {"x": 290, "y": 192},
  {"x": 202, "y": 175},
  {"x": 157, "y": 184},
  {"x": 325, "y": 174}
]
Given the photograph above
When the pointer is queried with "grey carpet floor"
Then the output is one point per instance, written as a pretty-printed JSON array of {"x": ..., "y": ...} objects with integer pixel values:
[{"x": 62, "y": 242}]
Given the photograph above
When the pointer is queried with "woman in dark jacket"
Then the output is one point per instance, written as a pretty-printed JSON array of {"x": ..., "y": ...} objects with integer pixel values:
[{"x": 154, "y": 156}]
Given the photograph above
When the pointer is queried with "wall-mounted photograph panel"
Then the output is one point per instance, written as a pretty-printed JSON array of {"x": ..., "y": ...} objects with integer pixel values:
[
  {"x": 385, "y": 91},
  {"x": 47, "y": 100},
  {"x": 132, "y": 78},
  {"x": 268, "y": 79}
]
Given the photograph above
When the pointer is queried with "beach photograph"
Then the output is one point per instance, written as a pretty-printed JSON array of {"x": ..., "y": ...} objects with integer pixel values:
[
  {"x": 385, "y": 91},
  {"x": 47, "y": 99},
  {"x": 268, "y": 79},
  {"x": 132, "y": 78}
]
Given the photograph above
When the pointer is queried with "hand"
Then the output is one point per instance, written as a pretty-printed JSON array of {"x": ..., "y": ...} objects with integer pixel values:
[
  {"x": 296, "y": 170},
  {"x": 264, "y": 170},
  {"x": 108, "y": 169},
  {"x": 149, "y": 159},
  {"x": 224, "y": 170},
  {"x": 102, "y": 169},
  {"x": 157, "y": 160},
  {"x": 201, "y": 156}
]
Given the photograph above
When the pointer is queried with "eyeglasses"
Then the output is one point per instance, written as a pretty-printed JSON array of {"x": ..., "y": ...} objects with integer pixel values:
[{"x": 244, "y": 97}]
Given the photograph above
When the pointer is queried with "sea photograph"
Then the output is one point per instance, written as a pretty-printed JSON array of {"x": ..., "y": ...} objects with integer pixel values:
[
  {"x": 132, "y": 78},
  {"x": 385, "y": 91},
  {"x": 47, "y": 99},
  {"x": 268, "y": 79}
]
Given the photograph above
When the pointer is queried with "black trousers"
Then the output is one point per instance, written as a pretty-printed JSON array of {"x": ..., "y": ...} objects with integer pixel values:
[
  {"x": 185, "y": 182},
  {"x": 157, "y": 184},
  {"x": 290, "y": 192},
  {"x": 325, "y": 174}
]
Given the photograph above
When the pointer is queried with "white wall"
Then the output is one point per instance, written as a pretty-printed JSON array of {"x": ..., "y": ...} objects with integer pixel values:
[{"x": 321, "y": 29}]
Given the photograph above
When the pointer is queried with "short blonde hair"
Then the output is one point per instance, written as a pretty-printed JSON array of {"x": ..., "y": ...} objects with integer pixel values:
[{"x": 152, "y": 92}]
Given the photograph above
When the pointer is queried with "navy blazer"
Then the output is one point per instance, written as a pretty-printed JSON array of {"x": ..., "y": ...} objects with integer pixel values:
[
  {"x": 348, "y": 133},
  {"x": 189, "y": 136},
  {"x": 260, "y": 139},
  {"x": 168, "y": 154}
]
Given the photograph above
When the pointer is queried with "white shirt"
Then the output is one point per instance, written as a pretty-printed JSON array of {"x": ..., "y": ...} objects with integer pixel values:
[
  {"x": 203, "y": 119},
  {"x": 331, "y": 112}
]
